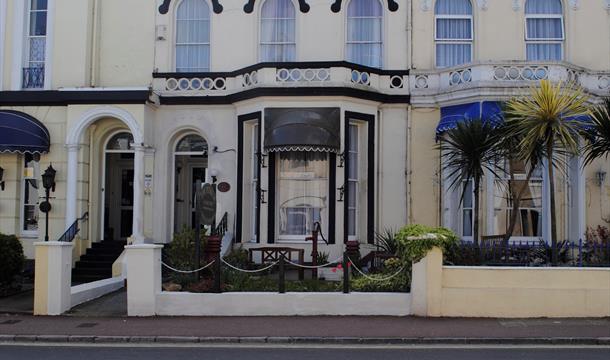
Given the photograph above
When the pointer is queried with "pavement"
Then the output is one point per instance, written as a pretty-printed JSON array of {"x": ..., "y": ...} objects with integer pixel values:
[
  {"x": 295, "y": 330},
  {"x": 105, "y": 320}
]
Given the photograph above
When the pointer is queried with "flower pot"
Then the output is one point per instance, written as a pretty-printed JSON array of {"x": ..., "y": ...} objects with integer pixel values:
[{"x": 330, "y": 273}]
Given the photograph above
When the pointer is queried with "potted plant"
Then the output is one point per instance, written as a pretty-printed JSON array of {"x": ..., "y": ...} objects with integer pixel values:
[{"x": 330, "y": 273}]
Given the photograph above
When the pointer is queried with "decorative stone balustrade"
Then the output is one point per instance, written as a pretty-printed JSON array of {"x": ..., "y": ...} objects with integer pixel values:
[
  {"x": 495, "y": 81},
  {"x": 498, "y": 81},
  {"x": 289, "y": 75}
]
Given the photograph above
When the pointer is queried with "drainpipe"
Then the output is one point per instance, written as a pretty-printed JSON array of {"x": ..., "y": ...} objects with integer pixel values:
[
  {"x": 408, "y": 166},
  {"x": 94, "y": 44},
  {"x": 379, "y": 173},
  {"x": 410, "y": 37}
]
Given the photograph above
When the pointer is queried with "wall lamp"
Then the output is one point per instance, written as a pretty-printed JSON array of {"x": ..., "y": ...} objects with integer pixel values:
[
  {"x": 1, "y": 178},
  {"x": 600, "y": 177},
  {"x": 214, "y": 174}
]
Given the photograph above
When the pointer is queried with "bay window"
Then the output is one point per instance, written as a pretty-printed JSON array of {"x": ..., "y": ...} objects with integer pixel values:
[{"x": 302, "y": 192}]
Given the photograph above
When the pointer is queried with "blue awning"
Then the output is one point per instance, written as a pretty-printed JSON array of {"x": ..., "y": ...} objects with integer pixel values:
[
  {"x": 22, "y": 133},
  {"x": 487, "y": 111}
]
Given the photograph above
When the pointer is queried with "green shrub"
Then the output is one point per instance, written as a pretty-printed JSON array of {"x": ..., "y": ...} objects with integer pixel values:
[
  {"x": 413, "y": 250},
  {"x": 383, "y": 281},
  {"x": 11, "y": 258},
  {"x": 181, "y": 254}
]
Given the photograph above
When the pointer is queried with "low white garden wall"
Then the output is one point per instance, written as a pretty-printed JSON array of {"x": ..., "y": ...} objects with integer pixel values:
[
  {"x": 510, "y": 292},
  {"x": 289, "y": 304},
  {"x": 86, "y": 292}
]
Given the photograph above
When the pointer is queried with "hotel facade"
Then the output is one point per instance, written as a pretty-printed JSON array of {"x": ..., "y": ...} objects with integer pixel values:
[{"x": 305, "y": 111}]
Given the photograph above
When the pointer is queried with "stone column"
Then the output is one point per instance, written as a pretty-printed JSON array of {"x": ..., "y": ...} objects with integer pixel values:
[
  {"x": 143, "y": 278},
  {"x": 137, "y": 236},
  {"x": 53, "y": 279},
  {"x": 71, "y": 183}
]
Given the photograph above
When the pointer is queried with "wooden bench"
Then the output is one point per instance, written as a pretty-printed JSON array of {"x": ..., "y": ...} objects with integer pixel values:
[{"x": 271, "y": 254}]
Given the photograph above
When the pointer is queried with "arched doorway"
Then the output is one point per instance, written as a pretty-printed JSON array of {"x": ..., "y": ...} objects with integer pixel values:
[
  {"x": 117, "y": 189},
  {"x": 190, "y": 158}
]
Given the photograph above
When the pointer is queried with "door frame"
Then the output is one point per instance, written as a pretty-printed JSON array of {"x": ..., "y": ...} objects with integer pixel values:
[{"x": 103, "y": 182}]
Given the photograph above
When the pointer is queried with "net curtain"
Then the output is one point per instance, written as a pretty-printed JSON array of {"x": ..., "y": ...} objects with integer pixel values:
[
  {"x": 545, "y": 34},
  {"x": 193, "y": 36},
  {"x": 453, "y": 35},
  {"x": 277, "y": 31},
  {"x": 364, "y": 32}
]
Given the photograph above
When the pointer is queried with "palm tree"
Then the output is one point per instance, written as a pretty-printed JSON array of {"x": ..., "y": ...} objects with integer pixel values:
[
  {"x": 598, "y": 133},
  {"x": 467, "y": 151},
  {"x": 507, "y": 144},
  {"x": 549, "y": 117}
]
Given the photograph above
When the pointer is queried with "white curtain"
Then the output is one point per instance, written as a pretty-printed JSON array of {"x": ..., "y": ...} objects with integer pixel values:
[
  {"x": 277, "y": 34},
  {"x": 364, "y": 32},
  {"x": 544, "y": 30},
  {"x": 453, "y": 32},
  {"x": 193, "y": 36},
  {"x": 303, "y": 191}
]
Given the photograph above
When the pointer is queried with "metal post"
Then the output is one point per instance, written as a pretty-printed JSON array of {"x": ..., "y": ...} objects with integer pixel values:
[
  {"x": 580, "y": 252},
  {"x": 46, "y": 231},
  {"x": 282, "y": 276},
  {"x": 345, "y": 273},
  {"x": 217, "y": 273}
]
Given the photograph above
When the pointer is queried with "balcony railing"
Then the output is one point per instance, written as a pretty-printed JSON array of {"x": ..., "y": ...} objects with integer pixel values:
[
  {"x": 33, "y": 78},
  {"x": 283, "y": 75},
  {"x": 499, "y": 80}
]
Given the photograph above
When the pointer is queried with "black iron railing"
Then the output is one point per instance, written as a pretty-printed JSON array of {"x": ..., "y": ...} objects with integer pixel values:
[
  {"x": 532, "y": 253},
  {"x": 71, "y": 232},
  {"x": 33, "y": 78},
  {"x": 221, "y": 229}
]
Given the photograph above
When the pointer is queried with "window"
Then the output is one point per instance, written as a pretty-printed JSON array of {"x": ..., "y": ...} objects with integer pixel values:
[
  {"x": 353, "y": 182},
  {"x": 277, "y": 33},
  {"x": 529, "y": 220},
  {"x": 29, "y": 200},
  {"x": 468, "y": 210},
  {"x": 192, "y": 145},
  {"x": 193, "y": 36},
  {"x": 544, "y": 30},
  {"x": 453, "y": 32},
  {"x": 33, "y": 70},
  {"x": 254, "y": 181},
  {"x": 364, "y": 32},
  {"x": 303, "y": 192}
]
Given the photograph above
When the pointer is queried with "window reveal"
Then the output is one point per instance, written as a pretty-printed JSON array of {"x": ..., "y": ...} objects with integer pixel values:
[
  {"x": 303, "y": 192},
  {"x": 31, "y": 173}
]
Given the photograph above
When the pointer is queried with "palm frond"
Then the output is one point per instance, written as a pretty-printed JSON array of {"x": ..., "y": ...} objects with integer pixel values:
[{"x": 598, "y": 133}]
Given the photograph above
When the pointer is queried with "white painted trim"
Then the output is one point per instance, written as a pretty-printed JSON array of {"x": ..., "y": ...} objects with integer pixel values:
[
  {"x": 48, "y": 60},
  {"x": 18, "y": 35},
  {"x": 95, "y": 114},
  {"x": 103, "y": 178},
  {"x": 289, "y": 304},
  {"x": 86, "y": 292},
  {"x": 72, "y": 143},
  {"x": 132, "y": 88},
  {"x": 2, "y": 40}
]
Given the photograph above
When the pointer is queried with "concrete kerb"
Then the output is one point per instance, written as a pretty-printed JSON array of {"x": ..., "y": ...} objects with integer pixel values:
[{"x": 185, "y": 340}]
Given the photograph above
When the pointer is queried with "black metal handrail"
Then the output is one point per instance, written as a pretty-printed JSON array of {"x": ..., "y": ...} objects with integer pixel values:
[
  {"x": 33, "y": 78},
  {"x": 71, "y": 232},
  {"x": 222, "y": 227}
]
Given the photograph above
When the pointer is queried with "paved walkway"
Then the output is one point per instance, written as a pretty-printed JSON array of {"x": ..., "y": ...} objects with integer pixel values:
[
  {"x": 22, "y": 303},
  {"x": 232, "y": 328}
]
